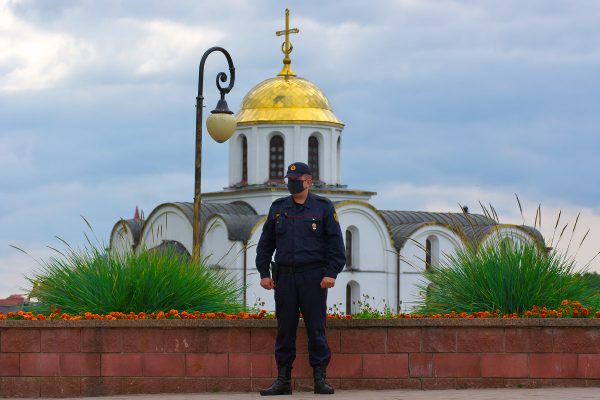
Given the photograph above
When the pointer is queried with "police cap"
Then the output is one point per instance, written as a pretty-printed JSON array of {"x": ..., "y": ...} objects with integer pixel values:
[{"x": 298, "y": 169}]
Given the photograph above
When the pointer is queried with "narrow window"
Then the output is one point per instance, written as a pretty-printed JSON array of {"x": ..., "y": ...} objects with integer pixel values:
[
  {"x": 276, "y": 158},
  {"x": 352, "y": 298},
  {"x": 348, "y": 299},
  {"x": 244, "y": 160},
  {"x": 348, "y": 248},
  {"x": 313, "y": 156},
  {"x": 428, "y": 248},
  {"x": 432, "y": 252}
]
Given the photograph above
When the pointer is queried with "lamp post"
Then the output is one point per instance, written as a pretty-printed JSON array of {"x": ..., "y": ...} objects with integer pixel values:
[{"x": 220, "y": 124}]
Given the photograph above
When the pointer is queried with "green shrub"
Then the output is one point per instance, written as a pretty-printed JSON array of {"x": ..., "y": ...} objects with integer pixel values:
[
  {"x": 147, "y": 281},
  {"x": 497, "y": 276}
]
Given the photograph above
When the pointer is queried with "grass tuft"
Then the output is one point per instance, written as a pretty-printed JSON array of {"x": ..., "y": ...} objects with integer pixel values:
[
  {"x": 98, "y": 281},
  {"x": 498, "y": 276}
]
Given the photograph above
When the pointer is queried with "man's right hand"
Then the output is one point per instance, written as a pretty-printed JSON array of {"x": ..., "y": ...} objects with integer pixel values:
[{"x": 267, "y": 283}]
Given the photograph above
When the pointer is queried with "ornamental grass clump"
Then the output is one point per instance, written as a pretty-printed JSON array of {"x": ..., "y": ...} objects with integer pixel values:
[
  {"x": 97, "y": 281},
  {"x": 510, "y": 278}
]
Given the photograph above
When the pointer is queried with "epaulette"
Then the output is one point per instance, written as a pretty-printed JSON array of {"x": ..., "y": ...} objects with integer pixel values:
[
  {"x": 279, "y": 199},
  {"x": 323, "y": 199}
]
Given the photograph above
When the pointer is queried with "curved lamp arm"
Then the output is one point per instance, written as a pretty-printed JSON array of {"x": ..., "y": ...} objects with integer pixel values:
[
  {"x": 221, "y": 76},
  {"x": 221, "y": 108}
]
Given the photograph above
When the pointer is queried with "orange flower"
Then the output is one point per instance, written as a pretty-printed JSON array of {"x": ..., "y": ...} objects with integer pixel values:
[{"x": 585, "y": 312}]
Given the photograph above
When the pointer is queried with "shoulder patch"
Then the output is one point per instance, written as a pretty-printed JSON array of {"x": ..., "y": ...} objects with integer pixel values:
[{"x": 336, "y": 218}]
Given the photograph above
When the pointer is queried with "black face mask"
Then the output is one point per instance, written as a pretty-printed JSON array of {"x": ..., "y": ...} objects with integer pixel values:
[{"x": 295, "y": 186}]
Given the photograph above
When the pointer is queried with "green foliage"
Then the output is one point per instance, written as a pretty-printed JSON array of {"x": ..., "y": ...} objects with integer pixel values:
[
  {"x": 498, "y": 276},
  {"x": 593, "y": 281},
  {"x": 147, "y": 281}
]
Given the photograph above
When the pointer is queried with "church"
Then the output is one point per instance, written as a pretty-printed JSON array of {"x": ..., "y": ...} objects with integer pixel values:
[{"x": 281, "y": 120}]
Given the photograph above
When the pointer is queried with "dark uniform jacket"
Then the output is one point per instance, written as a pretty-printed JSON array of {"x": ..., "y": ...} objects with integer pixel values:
[{"x": 308, "y": 236}]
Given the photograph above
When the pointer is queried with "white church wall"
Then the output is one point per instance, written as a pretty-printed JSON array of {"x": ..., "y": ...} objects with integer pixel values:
[
  {"x": 235, "y": 154},
  {"x": 255, "y": 293},
  {"x": 295, "y": 139},
  {"x": 216, "y": 247},
  {"x": 374, "y": 258},
  {"x": 253, "y": 154},
  {"x": 299, "y": 147},
  {"x": 511, "y": 234},
  {"x": 121, "y": 239},
  {"x": 338, "y": 158},
  {"x": 373, "y": 235},
  {"x": 413, "y": 260},
  {"x": 166, "y": 222},
  {"x": 220, "y": 252}
]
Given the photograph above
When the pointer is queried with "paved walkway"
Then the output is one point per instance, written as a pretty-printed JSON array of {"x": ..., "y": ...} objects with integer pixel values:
[{"x": 466, "y": 394}]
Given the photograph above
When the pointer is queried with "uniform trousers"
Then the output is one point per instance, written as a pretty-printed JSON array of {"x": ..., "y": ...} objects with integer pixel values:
[{"x": 301, "y": 292}]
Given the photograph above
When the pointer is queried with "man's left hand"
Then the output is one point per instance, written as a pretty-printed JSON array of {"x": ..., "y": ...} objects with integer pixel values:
[{"x": 327, "y": 282}]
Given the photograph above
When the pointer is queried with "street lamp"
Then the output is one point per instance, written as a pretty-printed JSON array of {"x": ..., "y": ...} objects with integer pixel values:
[{"x": 220, "y": 124}]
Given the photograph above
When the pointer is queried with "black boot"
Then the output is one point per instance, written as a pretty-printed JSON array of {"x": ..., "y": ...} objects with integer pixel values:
[
  {"x": 282, "y": 385},
  {"x": 321, "y": 385}
]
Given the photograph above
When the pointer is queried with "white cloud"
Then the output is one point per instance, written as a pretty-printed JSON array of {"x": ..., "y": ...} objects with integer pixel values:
[
  {"x": 443, "y": 198},
  {"x": 165, "y": 44},
  {"x": 31, "y": 58}
]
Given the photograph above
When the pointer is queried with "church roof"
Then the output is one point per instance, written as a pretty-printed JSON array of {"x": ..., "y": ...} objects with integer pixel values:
[
  {"x": 239, "y": 217},
  {"x": 412, "y": 217},
  {"x": 285, "y": 100},
  {"x": 474, "y": 227},
  {"x": 134, "y": 226}
]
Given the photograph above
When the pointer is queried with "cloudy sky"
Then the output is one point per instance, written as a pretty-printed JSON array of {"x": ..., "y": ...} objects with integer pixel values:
[{"x": 445, "y": 102}]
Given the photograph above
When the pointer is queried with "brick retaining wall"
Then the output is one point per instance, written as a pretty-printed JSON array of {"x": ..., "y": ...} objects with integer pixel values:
[{"x": 95, "y": 358}]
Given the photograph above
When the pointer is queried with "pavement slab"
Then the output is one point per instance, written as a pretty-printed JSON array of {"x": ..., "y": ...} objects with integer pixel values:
[{"x": 464, "y": 394}]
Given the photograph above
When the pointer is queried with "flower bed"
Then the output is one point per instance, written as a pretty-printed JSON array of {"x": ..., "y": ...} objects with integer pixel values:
[{"x": 569, "y": 309}]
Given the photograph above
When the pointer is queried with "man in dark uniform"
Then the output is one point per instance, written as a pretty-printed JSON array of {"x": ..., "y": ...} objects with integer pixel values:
[{"x": 304, "y": 231}]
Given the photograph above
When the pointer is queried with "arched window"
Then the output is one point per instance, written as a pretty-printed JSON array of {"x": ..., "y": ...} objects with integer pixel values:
[
  {"x": 276, "y": 158},
  {"x": 352, "y": 247},
  {"x": 313, "y": 156},
  {"x": 432, "y": 252},
  {"x": 427, "y": 254},
  {"x": 348, "y": 248},
  {"x": 244, "y": 159},
  {"x": 348, "y": 299},
  {"x": 352, "y": 297}
]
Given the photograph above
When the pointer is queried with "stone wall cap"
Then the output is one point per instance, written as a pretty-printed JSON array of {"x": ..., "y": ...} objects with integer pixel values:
[{"x": 332, "y": 323}]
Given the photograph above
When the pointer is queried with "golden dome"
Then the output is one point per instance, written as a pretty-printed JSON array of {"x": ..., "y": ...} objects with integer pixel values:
[{"x": 286, "y": 99}]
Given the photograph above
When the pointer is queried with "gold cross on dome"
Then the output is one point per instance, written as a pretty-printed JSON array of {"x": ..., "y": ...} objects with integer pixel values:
[{"x": 286, "y": 47}]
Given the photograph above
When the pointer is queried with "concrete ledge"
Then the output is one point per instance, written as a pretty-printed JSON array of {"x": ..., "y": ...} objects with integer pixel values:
[{"x": 332, "y": 323}]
